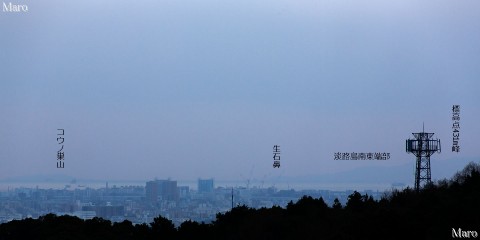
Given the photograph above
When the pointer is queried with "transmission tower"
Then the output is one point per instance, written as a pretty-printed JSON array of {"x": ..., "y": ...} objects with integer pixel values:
[{"x": 422, "y": 147}]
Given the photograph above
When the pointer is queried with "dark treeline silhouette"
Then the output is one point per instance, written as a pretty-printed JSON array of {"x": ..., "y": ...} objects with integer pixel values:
[{"x": 428, "y": 214}]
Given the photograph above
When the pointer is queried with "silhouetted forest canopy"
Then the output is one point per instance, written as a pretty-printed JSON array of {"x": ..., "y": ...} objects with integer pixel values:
[{"x": 431, "y": 213}]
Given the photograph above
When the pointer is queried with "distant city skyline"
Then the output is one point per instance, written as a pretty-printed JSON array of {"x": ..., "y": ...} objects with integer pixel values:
[
  {"x": 140, "y": 204},
  {"x": 205, "y": 89},
  {"x": 366, "y": 178}
]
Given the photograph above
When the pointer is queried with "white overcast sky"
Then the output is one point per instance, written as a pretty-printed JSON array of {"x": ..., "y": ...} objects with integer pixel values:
[{"x": 204, "y": 88}]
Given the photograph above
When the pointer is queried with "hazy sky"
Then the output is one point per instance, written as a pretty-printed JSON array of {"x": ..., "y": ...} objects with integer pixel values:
[{"x": 188, "y": 89}]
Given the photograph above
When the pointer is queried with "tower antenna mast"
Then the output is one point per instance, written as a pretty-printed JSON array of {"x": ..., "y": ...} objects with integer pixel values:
[{"x": 422, "y": 147}]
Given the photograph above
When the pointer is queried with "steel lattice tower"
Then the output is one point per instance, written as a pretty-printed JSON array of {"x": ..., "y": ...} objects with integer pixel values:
[{"x": 422, "y": 147}]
